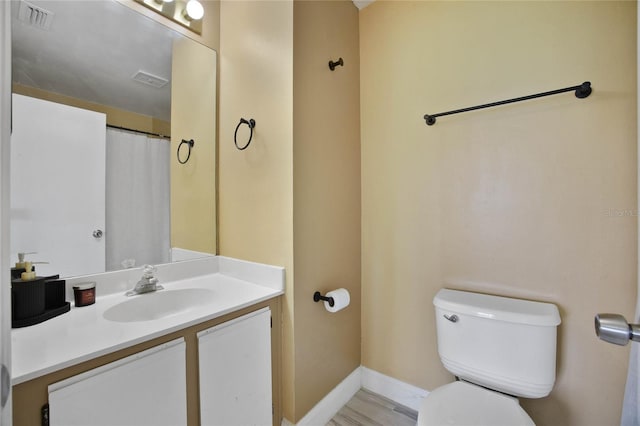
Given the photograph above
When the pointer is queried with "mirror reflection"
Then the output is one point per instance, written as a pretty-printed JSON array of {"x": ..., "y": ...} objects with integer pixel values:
[{"x": 97, "y": 92}]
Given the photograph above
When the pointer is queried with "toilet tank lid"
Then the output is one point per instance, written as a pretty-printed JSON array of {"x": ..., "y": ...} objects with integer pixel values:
[{"x": 497, "y": 307}]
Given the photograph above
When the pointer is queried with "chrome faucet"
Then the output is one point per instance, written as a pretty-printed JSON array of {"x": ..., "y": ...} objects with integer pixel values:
[{"x": 148, "y": 283}]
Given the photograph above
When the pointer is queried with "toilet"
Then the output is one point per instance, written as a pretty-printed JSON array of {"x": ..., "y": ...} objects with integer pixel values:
[{"x": 499, "y": 349}]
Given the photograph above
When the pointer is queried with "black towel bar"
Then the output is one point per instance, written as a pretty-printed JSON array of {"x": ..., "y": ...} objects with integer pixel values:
[{"x": 582, "y": 91}]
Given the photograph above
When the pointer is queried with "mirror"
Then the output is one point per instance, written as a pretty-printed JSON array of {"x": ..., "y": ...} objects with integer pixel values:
[{"x": 146, "y": 81}]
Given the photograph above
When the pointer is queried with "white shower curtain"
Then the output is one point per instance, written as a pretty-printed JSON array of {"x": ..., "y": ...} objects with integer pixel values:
[{"x": 137, "y": 195}]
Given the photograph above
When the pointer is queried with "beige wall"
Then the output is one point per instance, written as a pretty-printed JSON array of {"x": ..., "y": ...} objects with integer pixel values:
[
  {"x": 256, "y": 185},
  {"x": 293, "y": 195},
  {"x": 193, "y": 116},
  {"x": 326, "y": 195},
  {"x": 518, "y": 200}
]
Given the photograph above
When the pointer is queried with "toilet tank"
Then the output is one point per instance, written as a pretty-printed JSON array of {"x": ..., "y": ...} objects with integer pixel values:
[{"x": 504, "y": 344}]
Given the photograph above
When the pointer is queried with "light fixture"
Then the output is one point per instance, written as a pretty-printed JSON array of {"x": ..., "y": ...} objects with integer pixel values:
[
  {"x": 154, "y": 4},
  {"x": 193, "y": 10},
  {"x": 188, "y": 13}
]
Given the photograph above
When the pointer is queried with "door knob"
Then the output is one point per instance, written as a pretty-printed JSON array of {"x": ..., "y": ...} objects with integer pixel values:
[
  {"x": 97, "y": 233},
  {"x": 614, "y": 328}
]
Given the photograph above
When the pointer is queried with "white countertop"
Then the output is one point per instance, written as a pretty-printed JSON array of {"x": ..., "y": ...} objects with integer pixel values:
[{"x": 83, "y": 333}]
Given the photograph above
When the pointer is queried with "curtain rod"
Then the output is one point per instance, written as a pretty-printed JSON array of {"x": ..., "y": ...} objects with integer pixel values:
[
  {"x": 582, "y": 91},
  {"x": 139, "y": 131}
]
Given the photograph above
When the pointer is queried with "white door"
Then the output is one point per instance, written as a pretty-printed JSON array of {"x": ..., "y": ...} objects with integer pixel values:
[
  {"x": 235, "y": 371},
  {"x": 5, "y": 297},
  {"x": 58, "y": 186}
]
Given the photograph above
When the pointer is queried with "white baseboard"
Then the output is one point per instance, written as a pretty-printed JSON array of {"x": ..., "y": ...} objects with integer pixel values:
[
  {"x": 328, "y": 406},
  {"x": 393, "y": 389},
  {"x": 286, "y": 422},
  {"x": 362, "y": 377}
]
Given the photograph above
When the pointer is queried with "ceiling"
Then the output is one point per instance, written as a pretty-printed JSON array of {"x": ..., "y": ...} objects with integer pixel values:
[{"x": 91, "y": 51}]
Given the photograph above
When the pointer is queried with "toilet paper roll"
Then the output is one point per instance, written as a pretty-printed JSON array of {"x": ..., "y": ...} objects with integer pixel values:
[{"x": 341, "y": 300}]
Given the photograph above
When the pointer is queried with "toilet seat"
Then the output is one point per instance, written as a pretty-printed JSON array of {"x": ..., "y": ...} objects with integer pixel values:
[{"x": 462, "y": 403}]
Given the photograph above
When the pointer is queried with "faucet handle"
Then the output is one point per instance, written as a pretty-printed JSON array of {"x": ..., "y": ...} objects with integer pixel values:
[{"x": 148, "y": 270}]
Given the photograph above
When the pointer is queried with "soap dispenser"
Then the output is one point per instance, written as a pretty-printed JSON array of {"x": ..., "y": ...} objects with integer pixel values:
[
  {"x": 35, "y": 299},
  {"x": 27, "y": 293},
  {"x": 21, "y": 266}
]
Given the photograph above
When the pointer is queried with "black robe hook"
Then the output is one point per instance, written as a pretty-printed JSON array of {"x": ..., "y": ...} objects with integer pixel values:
[{"x": 333, "y": 65}]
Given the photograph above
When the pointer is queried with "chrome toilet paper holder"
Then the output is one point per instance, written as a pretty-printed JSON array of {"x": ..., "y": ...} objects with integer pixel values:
[{"x": 317, "y": 296}]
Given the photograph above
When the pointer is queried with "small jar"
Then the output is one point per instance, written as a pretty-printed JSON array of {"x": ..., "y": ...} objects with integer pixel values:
[{"x": 85, "y": 294}]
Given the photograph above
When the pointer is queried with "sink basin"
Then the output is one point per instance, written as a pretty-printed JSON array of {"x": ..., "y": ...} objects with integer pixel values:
[{"x": 159, "y": 304}]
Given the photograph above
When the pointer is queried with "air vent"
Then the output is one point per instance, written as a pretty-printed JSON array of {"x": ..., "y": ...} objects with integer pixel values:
[
  {"x": 150, "y": 79},
  {"x": 35, "y": 16}
]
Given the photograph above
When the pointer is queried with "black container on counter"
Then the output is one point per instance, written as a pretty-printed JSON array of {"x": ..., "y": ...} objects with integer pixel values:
[
  {"x": 37, "y": 300},
  {"x": 54, "y": 294},
  {"x": 27, "y": 298}
]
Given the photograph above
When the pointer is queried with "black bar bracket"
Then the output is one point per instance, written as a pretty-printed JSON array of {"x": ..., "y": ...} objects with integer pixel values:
[
  {"x": 333, "y": 65},
  {"x": 581, "y": 91},
  {"x": 318, "y": 297}
]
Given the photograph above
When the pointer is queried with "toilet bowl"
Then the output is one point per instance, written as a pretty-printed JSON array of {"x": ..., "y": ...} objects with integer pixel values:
[
  {"x": 500, "y": 349},
  {"x": 462, "y": 403}
]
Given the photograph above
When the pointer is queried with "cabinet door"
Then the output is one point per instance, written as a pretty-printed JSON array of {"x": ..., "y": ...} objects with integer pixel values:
[
  {"x": 235, "y": 372},
  {"x": 148, "y": 388}
]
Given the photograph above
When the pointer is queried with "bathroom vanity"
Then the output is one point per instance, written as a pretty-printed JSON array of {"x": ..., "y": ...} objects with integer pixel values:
[{"x": 203, "y": 349}]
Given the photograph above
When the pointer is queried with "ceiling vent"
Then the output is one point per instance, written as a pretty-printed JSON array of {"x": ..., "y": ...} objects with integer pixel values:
[
  {"x": 35, "y": 16},
  {"x": 150, "y": 79}
]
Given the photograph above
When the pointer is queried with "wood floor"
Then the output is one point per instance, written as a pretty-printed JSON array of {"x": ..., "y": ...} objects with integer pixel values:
[{"x": 369, "y": 409}]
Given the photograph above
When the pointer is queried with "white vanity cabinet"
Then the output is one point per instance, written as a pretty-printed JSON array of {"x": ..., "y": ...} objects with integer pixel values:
[
  {"x": 148, "y": 388},
  {"x": 235, "y": 371},
  {"x": 217, "y": 372}
]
